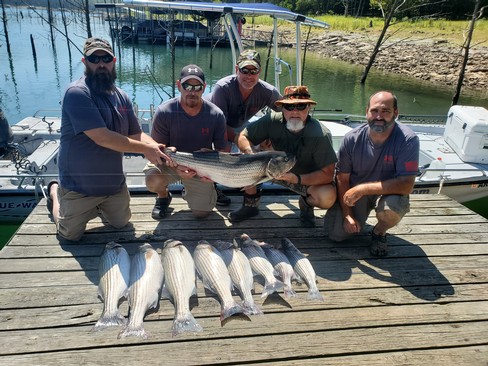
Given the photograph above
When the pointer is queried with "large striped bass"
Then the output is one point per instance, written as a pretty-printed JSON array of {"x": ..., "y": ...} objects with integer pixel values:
[
  {"x": 236, "y": 170},
  {"x": 303, "y": 268},
  {"x": 215, "y": 277},
  {"x": 282, "y": 265},
  {"x": 146, "y": 279},
  {"x": 114, "y": 271},
  {"x": 259, "y": 264},
  {"x": 240, "y": 273},
  {"x": 179, "y": 285}
]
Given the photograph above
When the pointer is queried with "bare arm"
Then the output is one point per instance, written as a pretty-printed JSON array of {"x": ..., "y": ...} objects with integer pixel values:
[
  {"x": 141, "y": 143},
  {"x": 318, "y": 177},
  {"x": 401, "y": 185}
]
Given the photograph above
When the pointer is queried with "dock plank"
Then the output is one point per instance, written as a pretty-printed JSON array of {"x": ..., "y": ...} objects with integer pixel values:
[{"x": 426, "y": 303}]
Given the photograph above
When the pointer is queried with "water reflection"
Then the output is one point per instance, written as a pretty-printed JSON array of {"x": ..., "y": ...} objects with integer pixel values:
[{"x": 147, "y": 74}]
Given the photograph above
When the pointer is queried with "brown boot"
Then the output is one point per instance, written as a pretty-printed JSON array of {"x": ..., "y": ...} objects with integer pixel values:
[
  {"x": 250, "y": 208},
  {"x": 307, "y": 218}
]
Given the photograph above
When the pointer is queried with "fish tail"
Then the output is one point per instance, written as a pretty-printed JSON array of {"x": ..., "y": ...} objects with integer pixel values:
[
  {"x": 186, "y": 323},
  {"x": 110, "y": 320},
  {"x": 131, "y": 331},
  {"x": 314, "y": 294},
  {"x": 250, "y": 308},
  {"x": 270, "y": 287},
  {"x": 289, "y": 292},
  {"x": 228, "y": 311}
]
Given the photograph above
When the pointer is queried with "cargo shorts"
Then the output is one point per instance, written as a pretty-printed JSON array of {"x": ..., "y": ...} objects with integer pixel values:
[
  {"x": 200, "y": 196},
  {"x": 333, "y": 220},
  {"x": 76, "y": 209}
]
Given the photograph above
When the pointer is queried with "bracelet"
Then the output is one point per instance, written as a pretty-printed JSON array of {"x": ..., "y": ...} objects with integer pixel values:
[{"x": 299, "y": 177}]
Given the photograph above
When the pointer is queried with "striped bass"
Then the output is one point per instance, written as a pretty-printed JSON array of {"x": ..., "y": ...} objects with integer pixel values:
[
  {"x": 240, "y": 273},
  {"x": 215, "y": 276},
  {"x": 303, "y": 268},
  {"x": 114, "y": 271},
  {"x": 146, "y": 279},
  {"x": 235, "y": 170},
  {"x": 259, "y": 264},
  {"x": 179, "y": 285},
  {"x": 282, "y": 265}
]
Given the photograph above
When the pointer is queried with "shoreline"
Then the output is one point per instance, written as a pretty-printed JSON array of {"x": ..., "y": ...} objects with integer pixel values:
[{"x": 434, "y": 60}]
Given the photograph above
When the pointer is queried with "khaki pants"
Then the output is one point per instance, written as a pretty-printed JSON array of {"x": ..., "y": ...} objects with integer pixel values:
[
  {"x": 77, "y": 209},
  {"x": 333, "y": 221}
]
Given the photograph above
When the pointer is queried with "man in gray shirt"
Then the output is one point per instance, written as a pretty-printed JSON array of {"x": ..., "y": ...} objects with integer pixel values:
[
  {"x": 240, "y": 96},
  {"x": 377, "y": 165}
]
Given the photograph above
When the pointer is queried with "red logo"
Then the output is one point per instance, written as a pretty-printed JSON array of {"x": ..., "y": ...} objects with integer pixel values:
[{"x": 205, "y": 131}]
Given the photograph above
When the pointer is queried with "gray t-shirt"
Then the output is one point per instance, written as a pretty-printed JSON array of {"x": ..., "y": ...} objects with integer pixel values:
[
  {"x": 172, "y": 126},
  {"x": 227, "y": 97},
  {"x": 398, "y": 156},
  {"x": 84, "y": 166}
]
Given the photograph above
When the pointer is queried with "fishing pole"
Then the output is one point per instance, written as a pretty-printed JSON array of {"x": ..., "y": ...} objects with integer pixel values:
[{"x": 153, "y": 81}]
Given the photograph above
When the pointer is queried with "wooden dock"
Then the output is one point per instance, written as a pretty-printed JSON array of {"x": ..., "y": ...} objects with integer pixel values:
[{"x": 426, "y": 303}]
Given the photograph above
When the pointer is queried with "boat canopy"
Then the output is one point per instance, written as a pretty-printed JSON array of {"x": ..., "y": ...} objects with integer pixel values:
[{"x": 227, "y": 10}]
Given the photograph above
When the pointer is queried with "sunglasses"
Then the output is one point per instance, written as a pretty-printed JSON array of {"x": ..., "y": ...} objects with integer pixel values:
[
  {"x": 245, "y": 71},
  {"x": 298, "y": 107},
  {"x": 190, "y": 88},
  {"x": 94, "y": 59}
]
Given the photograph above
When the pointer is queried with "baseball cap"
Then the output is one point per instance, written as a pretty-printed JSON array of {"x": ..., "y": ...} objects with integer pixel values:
[
  {"x": 97, "y": 44},
  {"x": 295, "y": 95},
  {"x": 192, "y": 72},
  {"x": 249, "y": 58}
]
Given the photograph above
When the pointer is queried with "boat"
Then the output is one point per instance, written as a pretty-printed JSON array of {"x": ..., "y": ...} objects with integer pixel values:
[{"x": 28, "y": 149}]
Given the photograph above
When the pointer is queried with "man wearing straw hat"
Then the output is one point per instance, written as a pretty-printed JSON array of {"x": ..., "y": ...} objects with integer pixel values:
[{"x": 294, "y": 131}]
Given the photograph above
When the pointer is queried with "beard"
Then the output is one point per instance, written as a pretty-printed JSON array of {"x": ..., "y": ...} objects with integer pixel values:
[
  {"x": 295, "y": 125},
  {"x": 101, "y": 81},
  {"x": 380, "y": 128}
]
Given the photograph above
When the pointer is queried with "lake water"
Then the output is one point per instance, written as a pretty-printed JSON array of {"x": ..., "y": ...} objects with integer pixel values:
[{"x": 146, "y": 73}]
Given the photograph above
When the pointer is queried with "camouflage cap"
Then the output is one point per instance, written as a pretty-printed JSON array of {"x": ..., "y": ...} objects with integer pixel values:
[
  {"x": 249, "y": 58},
  {"x": 97, "y": 44}
]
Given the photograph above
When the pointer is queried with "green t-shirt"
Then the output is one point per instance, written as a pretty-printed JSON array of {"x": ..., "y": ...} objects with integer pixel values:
[{"x": 312, "y": 146}]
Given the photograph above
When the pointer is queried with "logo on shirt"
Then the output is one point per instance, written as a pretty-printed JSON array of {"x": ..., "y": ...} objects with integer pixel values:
[{"x": 205, "y": 131}]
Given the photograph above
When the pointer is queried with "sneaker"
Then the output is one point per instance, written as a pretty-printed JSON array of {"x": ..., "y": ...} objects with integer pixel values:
[
  {"x": 161, "y": 207},
  {"x": 222, "y": 199},
  {"x": 307, "y": 218},
  {"x": 378, "y": 247}
]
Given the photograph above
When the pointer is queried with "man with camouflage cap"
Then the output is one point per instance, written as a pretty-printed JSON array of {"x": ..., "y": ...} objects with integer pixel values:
[{"x": 240, "y": 96}]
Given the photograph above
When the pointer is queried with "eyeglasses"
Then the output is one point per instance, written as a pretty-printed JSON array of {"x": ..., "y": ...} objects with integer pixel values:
[
  {"x": 245, "y": 71},
  {"x": 190, "y": 88},
  {"x": 298, "y": 107},
  {"x": 94, "y": 59}
]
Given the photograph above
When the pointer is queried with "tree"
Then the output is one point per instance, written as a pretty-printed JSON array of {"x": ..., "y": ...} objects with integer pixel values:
[
  {"x": 477, "y": 13},
  {"x": 390, "y": 8}
]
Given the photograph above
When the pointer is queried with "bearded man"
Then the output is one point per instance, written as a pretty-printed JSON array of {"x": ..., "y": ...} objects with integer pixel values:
[
  {"x": 293, "y": 131},
  {"x": 98, "y": 126},
  {"x": 378, "y": 163}
]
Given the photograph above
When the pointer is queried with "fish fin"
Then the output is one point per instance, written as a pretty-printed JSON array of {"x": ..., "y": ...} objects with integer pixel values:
[
  {"x": 110, "y": 320},
  {"x": 269, "y": 288},
  {"x": 138, "y": 331},
  {"x": 186, "y": 323},
  {"x": 289, "y": 292},
  {"x": 314, "y": 294},
  {"x": 250, "y": 308},
  {"x": 231, "y": 310}
]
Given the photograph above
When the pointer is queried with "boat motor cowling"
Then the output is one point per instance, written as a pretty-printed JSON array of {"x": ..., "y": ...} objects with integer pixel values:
[{"x": 6, "y": 135}]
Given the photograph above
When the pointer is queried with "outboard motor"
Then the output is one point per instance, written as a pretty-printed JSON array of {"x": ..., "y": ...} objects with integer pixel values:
[{"x": 6, "y": 135}]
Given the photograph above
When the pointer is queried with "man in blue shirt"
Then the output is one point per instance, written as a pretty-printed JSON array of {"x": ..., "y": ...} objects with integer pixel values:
[
  {"x": 98, "y": 126},
  {"x": 377, "y": 166}
]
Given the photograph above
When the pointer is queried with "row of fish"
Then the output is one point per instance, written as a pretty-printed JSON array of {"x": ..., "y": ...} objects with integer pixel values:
[{"x": 221, "y": 266}]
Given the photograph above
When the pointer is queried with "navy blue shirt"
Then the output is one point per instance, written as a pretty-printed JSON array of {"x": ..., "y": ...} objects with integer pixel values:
[{"x": 84, "y": 166}]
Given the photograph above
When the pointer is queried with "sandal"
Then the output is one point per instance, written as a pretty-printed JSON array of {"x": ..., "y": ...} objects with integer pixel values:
[{"x": 378, "y": 247}]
